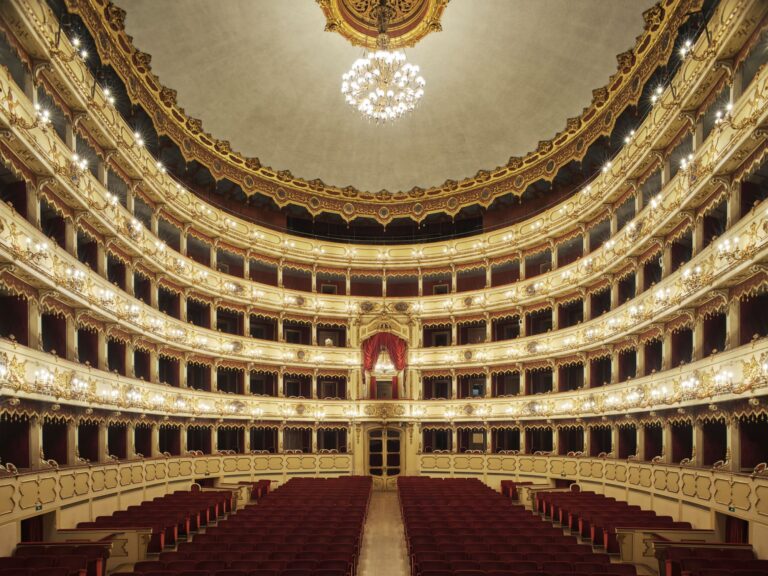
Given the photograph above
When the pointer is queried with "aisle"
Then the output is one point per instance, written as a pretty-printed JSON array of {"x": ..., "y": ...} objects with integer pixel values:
[{"x": 383, "y": 552}]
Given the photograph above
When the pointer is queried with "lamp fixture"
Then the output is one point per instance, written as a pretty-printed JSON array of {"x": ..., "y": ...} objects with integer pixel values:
[{"x": 383, "y": 85}]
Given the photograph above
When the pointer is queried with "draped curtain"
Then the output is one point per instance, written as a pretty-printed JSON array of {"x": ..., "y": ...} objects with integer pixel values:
[{"x": 397, "y": 349}]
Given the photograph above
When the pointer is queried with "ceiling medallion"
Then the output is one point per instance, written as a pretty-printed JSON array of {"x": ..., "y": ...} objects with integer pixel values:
[
  {"x": 357, "y": 20},
  {"x": 383, "y": 85}
]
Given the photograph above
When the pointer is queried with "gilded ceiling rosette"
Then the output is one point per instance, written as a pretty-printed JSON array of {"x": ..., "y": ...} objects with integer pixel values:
[{"x": 409, "y": 20}]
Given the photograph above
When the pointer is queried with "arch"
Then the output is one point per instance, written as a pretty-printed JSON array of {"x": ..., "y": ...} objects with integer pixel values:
[{"x": 396, "y": 347}]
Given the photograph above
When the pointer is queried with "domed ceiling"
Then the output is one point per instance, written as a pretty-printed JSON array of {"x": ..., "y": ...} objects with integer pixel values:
[{"x": 501, "y": 75}]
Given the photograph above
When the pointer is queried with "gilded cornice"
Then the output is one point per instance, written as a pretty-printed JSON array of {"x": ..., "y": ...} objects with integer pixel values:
[{"x": 653, "y": 46}]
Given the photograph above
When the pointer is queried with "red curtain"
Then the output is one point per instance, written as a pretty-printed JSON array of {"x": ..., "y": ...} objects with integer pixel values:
[{"x": 397, "y": 349}]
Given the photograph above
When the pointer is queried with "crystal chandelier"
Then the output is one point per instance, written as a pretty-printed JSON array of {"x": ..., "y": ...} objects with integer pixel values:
[{"x": 382, "y": 85}]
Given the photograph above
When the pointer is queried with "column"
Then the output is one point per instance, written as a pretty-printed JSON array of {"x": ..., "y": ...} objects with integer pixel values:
[
  {"x": 585, "y": 245},
  {"x": 489, "y": 329},
  {"x": 698, "y": 236},
  {"x": 733, "y": 207},
  {"x": 183, "y": 240},
  {"x": 666, "y": 350},
  {"x": 522, "y": 440},
  {"x": 130, "y": 201},
  {"x": 101, "y": 260},
  {"x": 421, "y": 285},
  {"x": 666, "y": 442},
  {"x": 555, "y": 385},
  {"x": 614, "y": 367},
  {"x": 247, "y": 266},
  {"x": 698, "y": 135},
  {"x": 555, "y": 440},
  {"x": 614, "y": 221},
  {"x": 103, "y": 447},
  {"x": 71, "y": 339},
  {"x": 35, "y": 441},
  {"x": 280, "y": 433},
  {"x": 521, "y": 266},
  {"x": 454, "y": 439},
  {"x": 183, "y": 374},
  {"x": 615, "y": 303},
  {"x": 666, "y": 260},
  {"x": 698, "y": 444},
  {"x": 640, "y": 359},
  {"x": 33, "y": 206},
  {"x": 314, "y": 440},
  {"x": 640, "y": 439},
  {"x": 247, "y": 323},
  {"x": 698, "y": 338},
  {"x": 348, "y": 282},
  {"x": 586, "y": 302},
  {"x": 214, "y": 439},
  {"x": 214, "y": 256},
  {"x": 154, "y": 222},
  {"x": 313, "y": 386},
  {"x": 70, "y": 236},
  {"x": 34, "y": 323},
  {"x": 666, "y": 172},
  {"x": 212, "y": 315},
  {"x": 587, "y": 374},
  {"x": 183, "y": 306},
  {"x": 487, "y": 275},
  {"x": 587, "y": 440},
  {"x": 101, "y": 354},
  {"x": 638, "y": 200},
  {"x": 154, "y": 366},
  {"x": 130, "y": 441},
  {"x": 70, "y": 138},
  {"x": 71, "y": 444},
  {"x": 454, "y": 329},
  {"x": 279, "y": 329},
  {"x": 247, "y": 440},
  {"x": 153, "y": 293},
  {"x": 733, "y": 324},
  {"x": 183, "y": 448},
  {"x": 314, "y": 280},
  {"x": 384, "y": 284},
  {"x": 733, "y": 442},
  {"x": 280, "y": 276},
  {"x": 129, "y": 280},
  {"x": 614, "y": 441},
  {"x": 155, "y": 441},
  {"x": 737, "y": 86},
  {"x": 639, "y": 278},
  {"x": 130, "y": 369},
  {"x": 453, "y": 280},
  {"x": 280, "y": 390}
]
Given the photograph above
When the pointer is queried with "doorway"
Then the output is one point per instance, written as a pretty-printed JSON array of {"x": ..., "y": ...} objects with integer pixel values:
[{"x": 384, "y": 459}]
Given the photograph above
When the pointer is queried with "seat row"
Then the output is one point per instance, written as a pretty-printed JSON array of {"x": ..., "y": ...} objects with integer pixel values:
[
  {"x": 519, "y": 542},
  {"x": 272, "y": 538},
  {"x": 715, "y": 559},
  {"x": 177, "y": 514},
  {"x": 595, "y": 517}
]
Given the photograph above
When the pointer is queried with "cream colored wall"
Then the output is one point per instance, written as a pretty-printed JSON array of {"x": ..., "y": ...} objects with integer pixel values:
[
  {"x": 758, "y": 536},
  {"x": 9, "y": 535},
  {"x": 701, "y": 518}
]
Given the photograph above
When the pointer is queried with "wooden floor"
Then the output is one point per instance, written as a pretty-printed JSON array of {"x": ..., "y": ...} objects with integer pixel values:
[{"x": 383, "y": 552}]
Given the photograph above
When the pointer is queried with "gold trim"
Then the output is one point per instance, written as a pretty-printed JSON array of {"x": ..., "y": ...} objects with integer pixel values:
[{"x": 105, "y": 22}]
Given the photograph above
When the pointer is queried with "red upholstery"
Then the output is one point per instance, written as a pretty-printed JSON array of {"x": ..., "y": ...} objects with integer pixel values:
[{"x": 442, "y": 518}]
